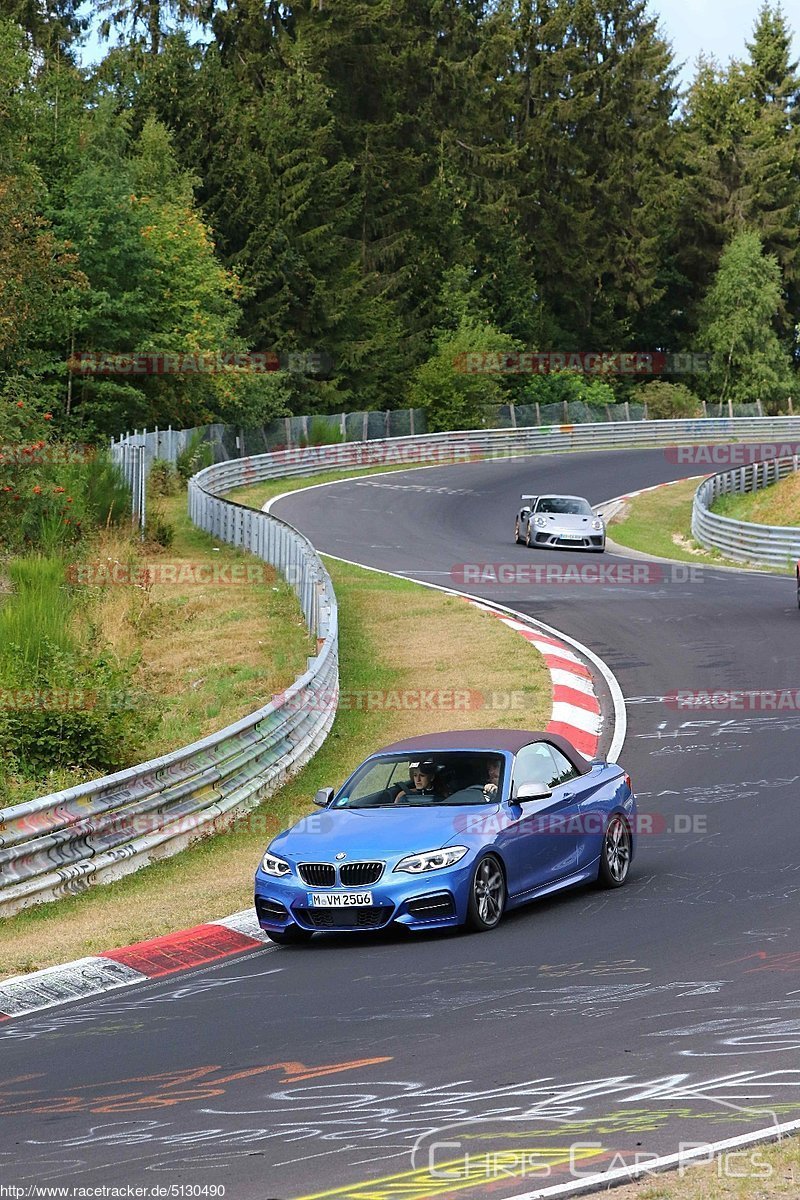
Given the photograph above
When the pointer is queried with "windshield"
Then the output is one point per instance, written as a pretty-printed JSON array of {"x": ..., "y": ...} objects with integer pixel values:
[
  {"x": 423, "y": 780},
  {"x": 564, "y": 504}
]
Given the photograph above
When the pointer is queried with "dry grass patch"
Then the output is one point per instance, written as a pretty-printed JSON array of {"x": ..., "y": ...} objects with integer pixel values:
[
  {"x": 396, "y": 637},
  {"x": 206, "y": 653},
  {"x": 660, "y": 523},
  {"x": 778, "y": 504},
  {"x": 710, "y": 1182}
]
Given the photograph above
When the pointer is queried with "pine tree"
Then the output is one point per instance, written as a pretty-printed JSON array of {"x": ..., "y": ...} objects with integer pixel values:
[
  {"x": 737, "y": 327},
  {"x": 741, "y": 161},
  {"x": 51, "y": 28},
  {"x": 596, "y": 97},
  {"x": 145, "y": 23}
]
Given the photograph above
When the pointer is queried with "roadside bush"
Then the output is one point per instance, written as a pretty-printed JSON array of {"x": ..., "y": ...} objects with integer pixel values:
[
  {"x": 453, "y": 396},
  {"x": 558, "y": 387},
  {"x": 196, "y": 455},
  {"x": 60, "y": 705},
  {"x": 108, "y": 497},
  {"x": 158, "y": 529},
  {"x": 164, "y": 479},
  {"x": 323, "y": 432},
  {"x": 82, "y": 714},
  {"x": 665, "y": 400},
  {"x": 51, "y": 491}
]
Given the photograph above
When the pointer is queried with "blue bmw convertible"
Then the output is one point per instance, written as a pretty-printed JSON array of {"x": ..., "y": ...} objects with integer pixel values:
[{"x": 448, "y": 829}]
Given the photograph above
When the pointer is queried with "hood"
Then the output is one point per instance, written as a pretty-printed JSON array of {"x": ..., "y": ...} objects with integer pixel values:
[
  {"x": 574, "y": 522},
  {"x": 366, "y": 833}
]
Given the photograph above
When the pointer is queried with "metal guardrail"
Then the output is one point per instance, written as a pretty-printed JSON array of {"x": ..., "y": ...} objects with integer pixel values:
[
  {"x": 473, "y": 445},
  {"x": 767, "y": 545},
  {"x": 60, "y": 844}
]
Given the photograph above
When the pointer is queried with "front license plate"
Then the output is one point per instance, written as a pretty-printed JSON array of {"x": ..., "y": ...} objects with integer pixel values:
[
  {"x": 571, "y": 537},
  {"x": 340, "y": 899}
]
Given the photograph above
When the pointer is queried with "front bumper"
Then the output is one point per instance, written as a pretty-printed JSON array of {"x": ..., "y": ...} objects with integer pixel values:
[
  {"x": 437, "y": 900},
  {"x": 549, "y": 539}
]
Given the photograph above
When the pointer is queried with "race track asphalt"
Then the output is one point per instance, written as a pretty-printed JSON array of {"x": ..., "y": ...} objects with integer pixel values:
[{"x": 584, "y": 1031}]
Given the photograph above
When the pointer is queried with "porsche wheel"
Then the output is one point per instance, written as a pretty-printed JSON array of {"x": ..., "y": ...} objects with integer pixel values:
[
  {"x": 529, "y": 536},
  {"x": 517, "y": 538},
  {"x": 487, "y": 895},
  {"x": 615, "y": 855}
]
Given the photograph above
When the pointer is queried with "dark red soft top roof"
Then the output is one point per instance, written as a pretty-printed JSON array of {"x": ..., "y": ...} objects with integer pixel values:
[{"x": 511, "y": 740}]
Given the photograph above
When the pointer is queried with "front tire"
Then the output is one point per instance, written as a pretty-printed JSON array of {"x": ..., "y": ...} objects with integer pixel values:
[
  {"x": 517, "y": 538},
  {"x": 293, "y": 936},
  {"x": 487, "y": 895},
  {"x": 615, "y": 854},
  {"x": 529, "y": 542}
]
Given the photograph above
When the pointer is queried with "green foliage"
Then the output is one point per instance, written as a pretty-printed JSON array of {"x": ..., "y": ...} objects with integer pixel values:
[
  {"x": 163, "y": 479},
  {"x": 358, "y": 178},
  {"x": 665, "y": 400},
  {"x": 559, "y": 387},
  {"x": 454, "y": 396},
  {"x": 81, "y": 714},
  {"x": 52, "y": 492},
  {"x": 740, "y": 152},
  {"x": 322, "y": 432},
  {"x": 196, "y": 455},
  {"x": 158, "y": 529},
  {"x": 737, "y": 318},
  {"x": 62, "y": 706},
  {"x": 108, "y": 497},
  {"x": 34, "y": 623}
]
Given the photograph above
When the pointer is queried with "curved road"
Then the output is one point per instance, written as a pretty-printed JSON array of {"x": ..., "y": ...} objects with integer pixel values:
[{"x": 589, "y": 1031}]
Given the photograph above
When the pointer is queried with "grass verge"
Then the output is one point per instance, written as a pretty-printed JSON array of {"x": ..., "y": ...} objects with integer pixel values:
[
  {"x": 769, "y": 1172},
  {"x": 660, "y": 523},
  {"x": 158, "y": 628},
  {"x": 395, "y": 636},
  {"x": 778, "y": 504}
]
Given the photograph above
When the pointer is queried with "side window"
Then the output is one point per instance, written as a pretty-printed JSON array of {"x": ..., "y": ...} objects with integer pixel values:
[
  {"x": 564, "y": 770},
  {"x": 534, "y": 764}
]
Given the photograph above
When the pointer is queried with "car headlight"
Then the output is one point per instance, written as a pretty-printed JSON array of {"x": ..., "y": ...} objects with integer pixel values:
[
  {"x": 597, "y": 523},
  {"x": 431, "y": 860},
  {"x": 540, "y": 521},
  {"x": 272, "y": 865}
]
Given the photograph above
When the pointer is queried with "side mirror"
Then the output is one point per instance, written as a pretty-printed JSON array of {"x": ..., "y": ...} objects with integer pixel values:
[
  {"x": 533, "y": 791},
  {"x": 323, "y": 797}
]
